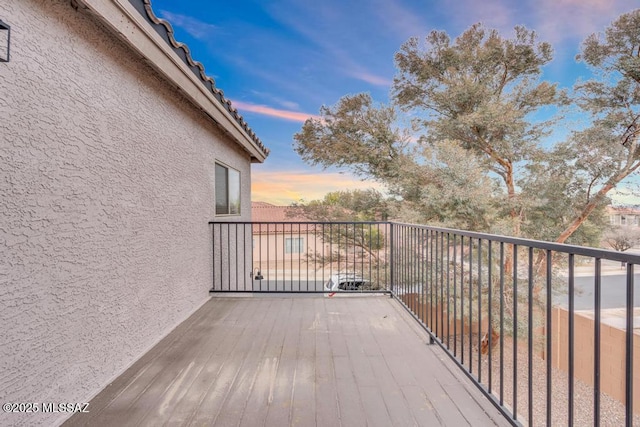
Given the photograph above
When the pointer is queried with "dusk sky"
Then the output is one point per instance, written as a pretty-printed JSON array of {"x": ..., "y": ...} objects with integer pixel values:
[{"x": 280, "y": 60}]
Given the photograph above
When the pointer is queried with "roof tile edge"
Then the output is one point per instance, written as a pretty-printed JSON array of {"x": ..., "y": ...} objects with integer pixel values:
[{"x": 165, "y": 30}]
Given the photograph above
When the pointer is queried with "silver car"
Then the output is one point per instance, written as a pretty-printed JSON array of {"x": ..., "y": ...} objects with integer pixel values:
[{"x": 345, "y": 282}]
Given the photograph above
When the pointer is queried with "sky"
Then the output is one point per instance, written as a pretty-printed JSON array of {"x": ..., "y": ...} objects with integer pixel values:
[{"x": 279, "y": 61}]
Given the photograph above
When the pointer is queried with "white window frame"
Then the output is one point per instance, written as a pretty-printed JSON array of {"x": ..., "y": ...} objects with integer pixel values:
[
  {"x": 230, "y": 174},
  {"x": 290, "y": 247}
]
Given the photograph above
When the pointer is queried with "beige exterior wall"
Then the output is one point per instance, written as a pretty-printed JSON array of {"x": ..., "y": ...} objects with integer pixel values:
[
  {"x": 106, "y": 188},
  {"x": 271, "y": 257},
  {"x": 612, "y": 353}
]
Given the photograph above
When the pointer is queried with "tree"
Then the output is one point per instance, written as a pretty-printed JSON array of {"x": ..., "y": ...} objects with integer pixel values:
[
  {"x": 438, "y": 183},
  {"x": 608, "y": 151},
  {"x": 479, "y": 92},
  {"x": 353, "y": 245},
  {"x": 471, "y": 99},
  {"x": 350, "y": 205},
  {"x": 622, "y": 238}
]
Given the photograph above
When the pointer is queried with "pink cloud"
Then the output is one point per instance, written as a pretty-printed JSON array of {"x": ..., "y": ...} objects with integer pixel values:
[
  {"x": 371, "y": 78},
  {"x": 286, "y": 187},
  {"x": 560, "y": 19},
  {"x": 273, "y": 112}
]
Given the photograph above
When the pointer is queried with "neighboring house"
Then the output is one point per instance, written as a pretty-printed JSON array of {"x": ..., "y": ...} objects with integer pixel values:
[
  {"x": 623, "y": 216},
  {"x": 116, "y": 151},
  {"x": 286, "y": 245},
  {"x": 282, "y": 246}
]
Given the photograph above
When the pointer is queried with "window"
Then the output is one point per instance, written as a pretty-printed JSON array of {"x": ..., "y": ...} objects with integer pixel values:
[
  {"x": 293, "y": 245},
  {"x": 227, "y": 191}
]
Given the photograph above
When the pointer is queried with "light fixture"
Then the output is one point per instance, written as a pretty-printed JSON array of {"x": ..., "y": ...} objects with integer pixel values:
[
  {"x": 258, "y": 275},
  {"x": 5, "y": 28}
]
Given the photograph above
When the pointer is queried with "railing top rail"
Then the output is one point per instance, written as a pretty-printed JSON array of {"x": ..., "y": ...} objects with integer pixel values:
[
  {"x": 301, "y": 222},
  {"x": 537, "y": 244}
]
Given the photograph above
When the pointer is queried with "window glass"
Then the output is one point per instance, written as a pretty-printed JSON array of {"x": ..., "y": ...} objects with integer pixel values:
[
  {"x": 293, "y": 245},
  {"x": 227, "y": 190},
  {"x": 234, "y": 191}
]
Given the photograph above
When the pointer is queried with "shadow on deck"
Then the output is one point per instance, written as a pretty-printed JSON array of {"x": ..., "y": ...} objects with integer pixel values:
[{"x": 294, "y": 360}]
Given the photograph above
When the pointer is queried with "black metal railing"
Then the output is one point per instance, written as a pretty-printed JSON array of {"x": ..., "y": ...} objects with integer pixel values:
[
  {"x": 545, "y": 330},
  {"x": 300, "y": 257}
]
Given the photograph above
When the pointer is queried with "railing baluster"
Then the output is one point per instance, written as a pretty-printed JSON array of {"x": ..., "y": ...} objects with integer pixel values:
[
  {"x": 471, "y": 305},
  {"x": 530, "y": 337},
  {"x": 490, "y": 315},
  {"x": 435, "y": 282},
  {"x": 629, "y": 347},
  {"x": 596, "y": 340},
  {"x": 448, "y": 291},
  {"x": 515, "y": 332},
  {"x": 549, "y": 331},
  {"x": 455, "y": 295},
  {"x": 571, "y": 337},
  {"x": 441, "y": 302},
  {"x": 502, "y": 323},
  {"x": 479, "y": 293},
  {"x": 462, "y": 320}
]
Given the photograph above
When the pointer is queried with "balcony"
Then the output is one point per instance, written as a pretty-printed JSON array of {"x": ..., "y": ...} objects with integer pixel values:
[{"x": 392, "y": 324}]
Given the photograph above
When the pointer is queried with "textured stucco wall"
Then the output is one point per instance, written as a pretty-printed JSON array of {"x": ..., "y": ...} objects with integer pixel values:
[{"x": 106, "y": 187}]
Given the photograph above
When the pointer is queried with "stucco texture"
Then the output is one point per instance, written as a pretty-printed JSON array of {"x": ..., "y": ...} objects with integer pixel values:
[{"x": 106, "y": 188}]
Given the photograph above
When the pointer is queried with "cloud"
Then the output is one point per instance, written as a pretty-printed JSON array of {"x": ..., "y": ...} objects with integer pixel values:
[
  {"x": 492, "y": 13},
  {"x": 273, "y": 112},
  {"x": 290, "y": 105},
  {"x": 286, "y": 187},
  {"x": 371, "y": 78},
  {"x": 402, "y": 21},
  {"x": 627, "y": 194},
  {"x": 297, "y": 18},
  {"x": 555, "y": 21},
  {"x": 196, "y": 28}
]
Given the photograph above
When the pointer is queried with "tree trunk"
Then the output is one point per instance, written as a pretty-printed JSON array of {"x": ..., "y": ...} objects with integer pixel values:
[{"x": 584, "y": 214}]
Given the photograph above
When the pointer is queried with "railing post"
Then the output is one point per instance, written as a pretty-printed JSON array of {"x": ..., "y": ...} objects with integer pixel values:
[
  {"x": 213, "y": 257},
  {"x": 629, "y": 348},
  {"x": 391, "y": 258}
]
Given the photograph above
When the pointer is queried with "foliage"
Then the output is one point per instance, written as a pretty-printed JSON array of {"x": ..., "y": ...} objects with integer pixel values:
[
  {"x": 350, "y": 205},
  {"x": 478, "y": 92},
  {"x": 353, "y": 246},
  {"x": 478, "y": 162},
  {"x": 608, "y": 151},
  {"x": 472, "y": 99},
  {"x": 622, "y": 238}
]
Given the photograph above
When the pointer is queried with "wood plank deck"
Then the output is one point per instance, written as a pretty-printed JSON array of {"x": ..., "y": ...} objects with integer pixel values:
[{"x": 293, "y": 360}]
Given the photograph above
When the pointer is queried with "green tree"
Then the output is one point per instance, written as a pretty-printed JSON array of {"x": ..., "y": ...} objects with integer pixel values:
[
  {"x": 622, "y": 238},
  {"x": 354, "y": 245},
  {"x": 438, "y": 182},
  {"x": 479, "y": 92},
  {"x": 608, "y": 151},
  {"x": 349, "y": 205}
]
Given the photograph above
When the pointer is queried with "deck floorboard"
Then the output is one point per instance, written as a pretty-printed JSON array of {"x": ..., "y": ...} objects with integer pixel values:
[{"x": 293, "y": 360}]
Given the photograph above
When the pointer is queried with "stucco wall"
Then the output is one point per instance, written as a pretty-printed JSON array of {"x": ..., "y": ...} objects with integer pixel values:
[
  {"x": 612, "y": 353},
  {"x": 106, "y": 187}
]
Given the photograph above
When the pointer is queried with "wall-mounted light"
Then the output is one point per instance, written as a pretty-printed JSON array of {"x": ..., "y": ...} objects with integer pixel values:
[{"x": 5, "y": 33}]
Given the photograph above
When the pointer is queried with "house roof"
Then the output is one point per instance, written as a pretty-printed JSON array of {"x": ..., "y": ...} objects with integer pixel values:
[
  {"x": 165, "y": 30},
  {"x": 268, "y": 213},
  {"x": 153, "y": 38},
  {"x": 622, "y": 210}
]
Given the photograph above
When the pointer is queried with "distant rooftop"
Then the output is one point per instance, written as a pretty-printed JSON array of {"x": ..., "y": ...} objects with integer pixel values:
[{"x": 266, "y": 212}]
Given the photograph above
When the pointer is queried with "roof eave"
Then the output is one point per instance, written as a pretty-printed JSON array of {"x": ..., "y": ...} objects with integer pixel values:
[{"x": 135, "y": 30}]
